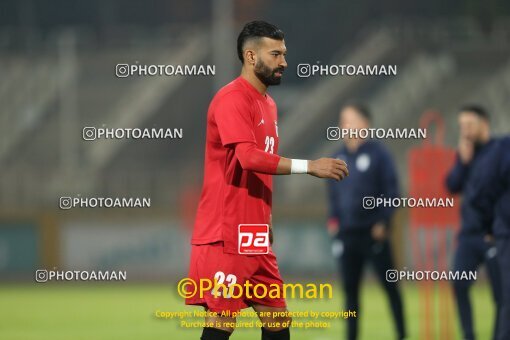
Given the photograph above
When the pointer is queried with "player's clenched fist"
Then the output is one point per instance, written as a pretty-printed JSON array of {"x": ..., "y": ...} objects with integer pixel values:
[{"x": 328, "y": 168}]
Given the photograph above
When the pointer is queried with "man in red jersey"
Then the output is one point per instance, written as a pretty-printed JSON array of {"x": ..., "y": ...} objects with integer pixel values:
[{"x": 240, "y": 159}]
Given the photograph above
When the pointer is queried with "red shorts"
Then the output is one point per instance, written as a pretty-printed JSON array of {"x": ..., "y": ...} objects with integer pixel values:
[{"x": 208, "y": 261}]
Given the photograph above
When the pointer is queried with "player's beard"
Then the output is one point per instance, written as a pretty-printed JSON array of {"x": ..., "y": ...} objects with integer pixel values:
[{"x": 267, "y": 75}]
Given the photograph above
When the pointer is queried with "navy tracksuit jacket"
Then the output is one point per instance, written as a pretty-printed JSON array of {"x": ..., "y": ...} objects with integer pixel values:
[
  {"x": 371, "y": 174},
  {"x": 473, "y": 249},
  {"x": 492, "y": 196}
]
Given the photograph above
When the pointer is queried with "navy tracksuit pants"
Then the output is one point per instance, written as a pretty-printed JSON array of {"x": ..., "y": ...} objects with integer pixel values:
[
  {"x": 471, "y": 252},
  {"x": 356, "y": 249},
  {"x": 503, "y": 257}
]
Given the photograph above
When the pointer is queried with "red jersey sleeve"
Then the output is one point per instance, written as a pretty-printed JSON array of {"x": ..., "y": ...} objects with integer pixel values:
[
  {"x": 234, "y": 119},
  {"x": 254, "y": 159}
]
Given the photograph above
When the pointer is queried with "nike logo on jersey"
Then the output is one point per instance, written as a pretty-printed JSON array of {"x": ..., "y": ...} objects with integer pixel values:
[{"x": 261, "y": 122}]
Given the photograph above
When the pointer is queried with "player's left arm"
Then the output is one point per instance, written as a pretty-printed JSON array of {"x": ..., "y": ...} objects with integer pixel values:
[
  {"x": 254, "y": 159},
  {"x": 233, "y": 118}
]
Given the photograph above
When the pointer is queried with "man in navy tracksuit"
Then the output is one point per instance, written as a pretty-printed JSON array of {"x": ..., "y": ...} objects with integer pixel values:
[
  {"x": 492, "y": 196},
  {"x": 361, "y": 235},
  {"x": 475, "y": 241}
]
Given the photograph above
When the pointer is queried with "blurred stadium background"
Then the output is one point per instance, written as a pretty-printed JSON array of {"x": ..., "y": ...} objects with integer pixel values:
[{"x": 58, "y": 76}]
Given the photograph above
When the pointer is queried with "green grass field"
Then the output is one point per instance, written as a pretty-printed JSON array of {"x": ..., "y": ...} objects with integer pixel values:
[{"x": 127, "y": 311}]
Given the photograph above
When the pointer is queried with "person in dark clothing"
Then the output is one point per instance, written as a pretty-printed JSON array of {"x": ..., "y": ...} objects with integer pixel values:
[
  {"x": 492, "y": 197},
  {"x": 361, "y": 235},
  {"x": 475, "y": 241}
]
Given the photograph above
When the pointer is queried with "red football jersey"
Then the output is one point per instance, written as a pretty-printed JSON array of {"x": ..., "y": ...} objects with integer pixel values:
[{"x": 230, "y": 195}]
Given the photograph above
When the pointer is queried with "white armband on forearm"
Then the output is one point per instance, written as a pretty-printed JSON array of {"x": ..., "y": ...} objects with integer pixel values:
[{"x": 299, "y": 166}]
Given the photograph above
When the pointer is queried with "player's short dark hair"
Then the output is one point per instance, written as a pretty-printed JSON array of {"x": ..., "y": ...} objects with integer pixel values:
[
  {"x": 360, "y": 108},
  {"x": 477, "y": 110},
  {"x": 256, "y": 30}
]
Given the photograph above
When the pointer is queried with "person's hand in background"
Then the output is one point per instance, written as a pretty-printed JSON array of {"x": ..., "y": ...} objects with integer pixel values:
[
  {"x": 489, "y": 238},
  {"x": 333, "y": 226},
  {"x": 379, "y": 232},
  {"x": 466, "y": 150}
]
